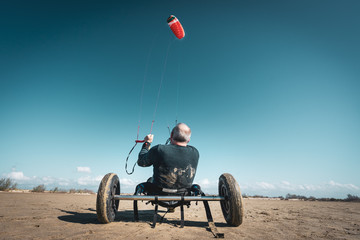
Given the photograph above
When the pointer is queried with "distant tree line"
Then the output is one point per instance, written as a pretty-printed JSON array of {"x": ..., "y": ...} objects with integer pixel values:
[
  {"x": 7, "y": 184},
  {"x": 350, "y": 198}
]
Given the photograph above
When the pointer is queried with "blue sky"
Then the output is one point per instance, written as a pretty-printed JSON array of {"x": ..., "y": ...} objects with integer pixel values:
[{"x": 270, "y": 89}]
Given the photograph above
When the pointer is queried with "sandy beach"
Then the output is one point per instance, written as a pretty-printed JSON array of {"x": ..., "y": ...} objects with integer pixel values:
[{"x": 73, "y": 216}]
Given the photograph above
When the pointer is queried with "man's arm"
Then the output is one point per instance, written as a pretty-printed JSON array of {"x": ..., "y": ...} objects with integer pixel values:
[{"x": 145, "y": 159}]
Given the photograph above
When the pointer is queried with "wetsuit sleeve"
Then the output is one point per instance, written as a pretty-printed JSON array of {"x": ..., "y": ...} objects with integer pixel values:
[{"x": 146, "y": 156}]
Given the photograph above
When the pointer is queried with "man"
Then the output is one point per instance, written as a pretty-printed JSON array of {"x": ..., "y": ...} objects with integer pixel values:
[{"x": 174, "y": 164}]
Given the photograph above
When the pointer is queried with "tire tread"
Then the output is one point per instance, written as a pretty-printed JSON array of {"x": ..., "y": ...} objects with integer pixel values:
[
  {"x": 235, "y": 216},
  {"x": 102, "y": 197}
]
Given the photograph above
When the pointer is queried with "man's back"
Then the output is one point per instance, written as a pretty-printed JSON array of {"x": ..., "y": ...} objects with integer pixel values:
[{"x": 174, "y": 165}]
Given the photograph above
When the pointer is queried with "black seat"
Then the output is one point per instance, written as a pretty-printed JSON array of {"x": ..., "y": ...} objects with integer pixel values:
[{"x": 148, "y": 188}]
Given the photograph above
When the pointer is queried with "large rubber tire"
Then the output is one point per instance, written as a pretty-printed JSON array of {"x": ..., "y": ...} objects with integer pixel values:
[
  {"x": 232, "y": 207},
  {"x": 106, "y": 205}
]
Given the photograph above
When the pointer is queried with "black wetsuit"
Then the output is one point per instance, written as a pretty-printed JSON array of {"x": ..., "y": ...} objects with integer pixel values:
[{"x": 174, "y": 166}]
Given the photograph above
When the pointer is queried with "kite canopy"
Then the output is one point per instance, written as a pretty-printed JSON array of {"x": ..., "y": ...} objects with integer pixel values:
[{"x": 176, "y": 27}]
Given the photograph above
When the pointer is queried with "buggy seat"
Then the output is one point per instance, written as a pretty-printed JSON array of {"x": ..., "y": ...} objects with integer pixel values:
[{"x": 149, "y": 188}]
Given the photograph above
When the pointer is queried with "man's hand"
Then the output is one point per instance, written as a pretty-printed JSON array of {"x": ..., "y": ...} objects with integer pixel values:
[{"x": 149, "y": 138}]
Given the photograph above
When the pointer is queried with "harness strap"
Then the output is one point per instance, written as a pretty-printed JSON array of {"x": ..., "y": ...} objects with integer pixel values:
[{"x": 127, "y": 159}]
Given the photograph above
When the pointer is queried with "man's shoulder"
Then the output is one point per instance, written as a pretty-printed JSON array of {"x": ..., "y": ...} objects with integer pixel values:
[
  {"x": 173, "y": 145},
  {"x": 155, "y": 148},
  {"x": 165, "y": 147},
  {"x": 193, "y": 149},
  {"x": 189, "y": 146},
  {"x": 162, "y": 147}
]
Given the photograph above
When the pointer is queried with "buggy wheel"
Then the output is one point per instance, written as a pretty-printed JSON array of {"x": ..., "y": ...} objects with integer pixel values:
[
  {"x": 106, "y": 205},
  {"x": 232, "y": 206}
]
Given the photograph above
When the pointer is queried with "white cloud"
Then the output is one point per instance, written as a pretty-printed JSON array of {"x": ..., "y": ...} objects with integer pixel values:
[
  {"x": 207, "y": 184},
  {"x": 287, "y": 186},
  {"x": 311, "y": 187},
  {"x": 17, "y": 176},
  {"x": 301, "y": 187},
  {"x": 64, "y": 182},
  {"x": 127, "y": 182},
  {"x": 326, "y": 189},
  {"x": 99, "y": 178},
  {"x": 88, "y": 180},
  {"x": 347, "y": 186},
  {"x": 352, "y": 186},
  {"x": 286, "y": 183},
  {"x": 265, "y": 185},
  {"x": 48, "y": 180},
  {"x": 204, "y": 181},
  {"x": 84, "y": 169}
]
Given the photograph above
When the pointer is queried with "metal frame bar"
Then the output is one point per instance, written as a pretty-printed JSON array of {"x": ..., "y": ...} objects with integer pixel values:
[{"x": 169, "y": 198}]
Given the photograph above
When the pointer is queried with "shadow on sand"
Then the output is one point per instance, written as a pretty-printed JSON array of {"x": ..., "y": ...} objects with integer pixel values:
[
  {"x": 79, "y": 217},
  {"x": 128, "y": 216}
]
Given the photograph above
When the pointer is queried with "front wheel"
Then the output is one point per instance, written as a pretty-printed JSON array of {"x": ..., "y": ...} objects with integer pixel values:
[
  {"x": 232, "y": 206},
  {"x": 106, "y": 205}
]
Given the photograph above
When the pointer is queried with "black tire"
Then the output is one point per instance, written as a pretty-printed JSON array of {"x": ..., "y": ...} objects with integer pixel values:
[
  {"x": 106, "y": 205},
  {"x": 232, "y": 207}
]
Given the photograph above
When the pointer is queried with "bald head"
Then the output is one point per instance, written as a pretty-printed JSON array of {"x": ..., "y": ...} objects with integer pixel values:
[{"x": 181, "y": 133}]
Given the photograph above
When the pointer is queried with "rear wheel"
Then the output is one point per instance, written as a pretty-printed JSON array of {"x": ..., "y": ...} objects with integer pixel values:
[
  {"x": 232, "y": 206},
  {"x": 106, "y": 205}
]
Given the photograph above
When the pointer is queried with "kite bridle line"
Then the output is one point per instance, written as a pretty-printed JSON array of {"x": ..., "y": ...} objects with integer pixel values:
[{"x": 155, "y": 110}]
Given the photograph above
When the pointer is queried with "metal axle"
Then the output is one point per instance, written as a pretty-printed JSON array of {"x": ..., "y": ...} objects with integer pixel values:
[{"x": 168, "y": 198}]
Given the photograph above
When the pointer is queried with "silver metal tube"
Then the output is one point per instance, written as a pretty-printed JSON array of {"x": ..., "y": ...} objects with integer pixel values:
[{"x": 168, "y": 198}]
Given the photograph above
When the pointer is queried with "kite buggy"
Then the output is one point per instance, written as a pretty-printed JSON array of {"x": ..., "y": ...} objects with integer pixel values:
[
  {"x": 108, "y": 199},
  {"x": 229, "y": 197}
]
